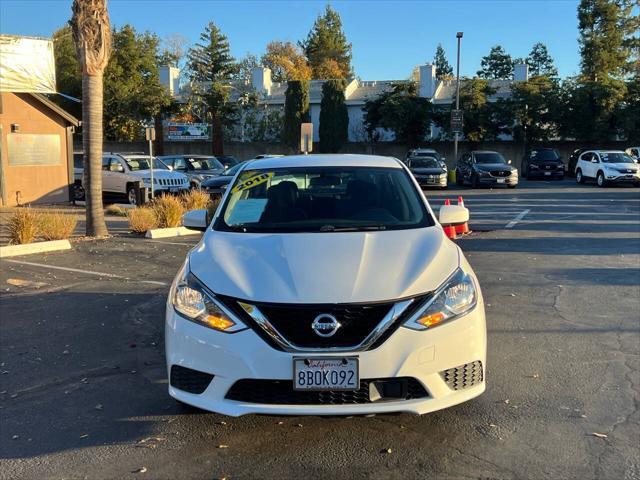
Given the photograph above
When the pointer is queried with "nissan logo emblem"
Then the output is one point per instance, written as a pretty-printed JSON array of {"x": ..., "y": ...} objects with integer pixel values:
[{"x": 325, "y": 325}]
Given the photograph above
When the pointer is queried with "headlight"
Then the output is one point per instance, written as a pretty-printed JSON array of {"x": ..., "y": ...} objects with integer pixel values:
[
  {"x": 443, "y": 175},
  {"x": 454, "y": 298},
  {"x": 193, "y": 301}
]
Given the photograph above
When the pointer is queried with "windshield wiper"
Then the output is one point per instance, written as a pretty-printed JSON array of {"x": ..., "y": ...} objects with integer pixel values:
[{"x": 332, "y": 228}]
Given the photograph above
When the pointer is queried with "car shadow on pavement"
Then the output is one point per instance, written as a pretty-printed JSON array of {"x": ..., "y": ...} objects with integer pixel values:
[{"x": 81, "y": 369}]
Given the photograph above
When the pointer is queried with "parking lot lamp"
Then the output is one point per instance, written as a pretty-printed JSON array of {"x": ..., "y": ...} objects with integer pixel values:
[{"x": 455, "y": 144}]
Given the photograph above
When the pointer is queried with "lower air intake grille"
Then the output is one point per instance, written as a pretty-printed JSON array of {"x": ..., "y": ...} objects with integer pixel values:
[
  {"x": 191, "y": 381},
  {"x": 281, "y": 392},
  {"x": 464, "y": 376}
]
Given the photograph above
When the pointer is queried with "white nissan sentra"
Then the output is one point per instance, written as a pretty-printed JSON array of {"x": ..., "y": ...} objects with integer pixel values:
[{"x": 323, "y": 285}]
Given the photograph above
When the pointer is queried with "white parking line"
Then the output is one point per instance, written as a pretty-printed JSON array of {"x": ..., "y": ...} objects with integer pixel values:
[
  {"x": 86, "y": 272},
  {"x": 516, "y": 219}
]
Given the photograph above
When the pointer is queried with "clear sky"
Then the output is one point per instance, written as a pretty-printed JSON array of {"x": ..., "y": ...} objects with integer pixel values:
[{"x": 389, "y": 37}]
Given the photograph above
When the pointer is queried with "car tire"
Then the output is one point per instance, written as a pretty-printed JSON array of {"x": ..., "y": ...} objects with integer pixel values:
[
  {"x": 78, "y": 192},
  {"x": 579, "y": 176},
  {"x": 474, "y": 181},
  {"x": 459, "y": 179},
  {"x": 195, "y": 186},
  {"x": 600, "y": 180},
  {"x": 132, "y": 195}
]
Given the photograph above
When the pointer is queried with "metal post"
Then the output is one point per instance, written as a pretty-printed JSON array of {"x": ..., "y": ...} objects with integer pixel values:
[
  {"x": 455, "y": 144},
  {"x": 151, "y": 166}
]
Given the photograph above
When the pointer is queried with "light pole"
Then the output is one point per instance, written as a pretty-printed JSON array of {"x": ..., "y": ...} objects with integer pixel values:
[{"x": 455, "y": 144}]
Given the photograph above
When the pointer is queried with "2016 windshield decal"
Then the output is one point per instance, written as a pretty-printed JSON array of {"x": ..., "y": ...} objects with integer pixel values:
[{"x": 252, "y": 182}]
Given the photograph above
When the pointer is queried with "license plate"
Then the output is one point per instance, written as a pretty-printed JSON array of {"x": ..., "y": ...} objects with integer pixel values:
[
  {"x": 500, "y": 180},
  {"x": 547, "y": 173},
  {"x": 174, "y": 190},
  {"x": 334, "y": 373}
]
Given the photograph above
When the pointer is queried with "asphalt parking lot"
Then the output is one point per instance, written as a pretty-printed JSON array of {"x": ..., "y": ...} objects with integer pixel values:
[{"x": 83, "y": 382}]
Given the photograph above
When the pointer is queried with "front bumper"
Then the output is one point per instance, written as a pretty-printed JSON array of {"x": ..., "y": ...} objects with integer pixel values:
[
  {"x": 622, "y": 178},
  {"x": 544, "y": 173},
  {"x": 431, "y": 180},
  {"x": 422, "y": 355},
  {"x": 490, "y": 180}
]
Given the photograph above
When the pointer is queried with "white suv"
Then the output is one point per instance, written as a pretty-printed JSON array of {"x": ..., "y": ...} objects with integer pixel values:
[
  {"x": 607, "y": 167},
  {"x": 122, "y": 172},
  {"x": 324, "y": 285}
]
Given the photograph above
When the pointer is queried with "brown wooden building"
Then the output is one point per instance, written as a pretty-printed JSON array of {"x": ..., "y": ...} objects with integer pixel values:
[{"x": 36, "y": 150}]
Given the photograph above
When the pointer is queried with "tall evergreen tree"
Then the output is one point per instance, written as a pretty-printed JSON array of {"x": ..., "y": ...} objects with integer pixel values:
[
  {"x": 604, "y": 29},
  {"x": 334, "y": 118},
  {"x": 211, "y": 68},
  {"x": 326, "y": 44},
  {"x": 296, "y": 112},
  {"x": 497, "y": 65},
  {"x": 443, "y": 69},
  {"x": 540, "y": 62}
]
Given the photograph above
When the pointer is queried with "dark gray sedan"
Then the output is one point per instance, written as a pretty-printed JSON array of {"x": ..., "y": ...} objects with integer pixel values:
[
  {"x": 428, "y": 171},
  {"x": 197, "y": 167}
]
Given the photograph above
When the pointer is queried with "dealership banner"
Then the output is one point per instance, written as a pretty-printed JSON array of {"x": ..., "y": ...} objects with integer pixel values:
[
  {"x": 177, "y": 131},
  {"x": 27, "y": 65}
]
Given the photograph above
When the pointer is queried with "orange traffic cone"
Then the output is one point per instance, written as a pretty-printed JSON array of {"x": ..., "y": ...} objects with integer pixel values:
[
  {"x": 450, "y": 231},
  {"x": 463, "y": 228},
  {"x": 447, "y": 201}
]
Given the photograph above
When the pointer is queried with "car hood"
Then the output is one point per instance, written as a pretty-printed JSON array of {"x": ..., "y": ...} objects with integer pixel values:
[
  {"x": 428, "y": 171},
  {"x": 157, "y": 173},
  {"x": 622, "y": 166},
  {"x": 493, "y": 166},
  {"x": 217, "y": 181},
  {"x": 217, "y": 171},
  {"x": 332, "y": 267}
]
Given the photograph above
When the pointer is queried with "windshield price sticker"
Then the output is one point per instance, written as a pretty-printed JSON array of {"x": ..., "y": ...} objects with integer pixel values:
[{"x": 252, "y": 182}]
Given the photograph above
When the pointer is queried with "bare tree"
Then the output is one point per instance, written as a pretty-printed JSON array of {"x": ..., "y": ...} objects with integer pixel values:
[{"x": 92, "y": 37}]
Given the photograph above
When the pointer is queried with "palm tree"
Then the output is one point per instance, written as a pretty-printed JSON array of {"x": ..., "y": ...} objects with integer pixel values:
[{"x": 92, "y": 37}]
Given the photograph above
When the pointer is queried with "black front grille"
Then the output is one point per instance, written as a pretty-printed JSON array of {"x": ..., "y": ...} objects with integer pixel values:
[
  {"x": 191, "y": 381},
  {"x": 281, "y": 392},
  {"x": 500, "y": 173},
  {"x": 464, "y": 376},
  {"x": 293, "y": 321}
]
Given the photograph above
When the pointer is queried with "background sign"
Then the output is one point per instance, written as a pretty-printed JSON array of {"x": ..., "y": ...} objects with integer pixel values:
[
  {"x": 456, "y": 121},
  {"x": 26, "y": 65},
  {"x": 187, "y": 131},
  {"x": 306, "y": 137},
  {"x": 33, "y": 149}
]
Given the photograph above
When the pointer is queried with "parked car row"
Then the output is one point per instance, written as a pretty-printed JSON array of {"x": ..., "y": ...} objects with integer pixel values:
[{"x": 172, "y": 174}]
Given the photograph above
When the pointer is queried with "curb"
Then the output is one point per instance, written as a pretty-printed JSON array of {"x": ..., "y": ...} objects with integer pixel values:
[
  {"x": 36, "y": 247},
  {"x": 170, "y": 232}
]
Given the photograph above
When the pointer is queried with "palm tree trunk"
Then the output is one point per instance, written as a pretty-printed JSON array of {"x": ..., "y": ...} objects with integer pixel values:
[{"x": 92, "y": 143}]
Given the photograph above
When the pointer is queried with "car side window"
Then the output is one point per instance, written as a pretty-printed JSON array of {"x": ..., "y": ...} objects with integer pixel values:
[
  {"x": 105, "y": 163},
  {"x": 586, "y": 156},
  {"x": 596, "y": 157},
  {"x": 115, "y": 165},
  {"x": 180, "y": 164}
]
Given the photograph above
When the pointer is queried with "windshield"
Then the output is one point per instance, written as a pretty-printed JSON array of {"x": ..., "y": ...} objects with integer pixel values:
[
  {"x": 432, "y": 154},
  {"x": 142, "y": 163},
  {"x": 545, "y": 155},
  {"x": 323, "y": 199},
  {"x": 615, "y": 157},
  {"x": 489, "y": 157},
  {"x": 205, "y": 163},
  {"x": 424, "y": 162}
]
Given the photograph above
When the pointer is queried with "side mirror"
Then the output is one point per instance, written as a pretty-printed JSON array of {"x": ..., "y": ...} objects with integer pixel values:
[
  {"x": 195, "y": 220},
  {"x": 593, "y": 160},
  {"x": 453, "y": 215}
]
